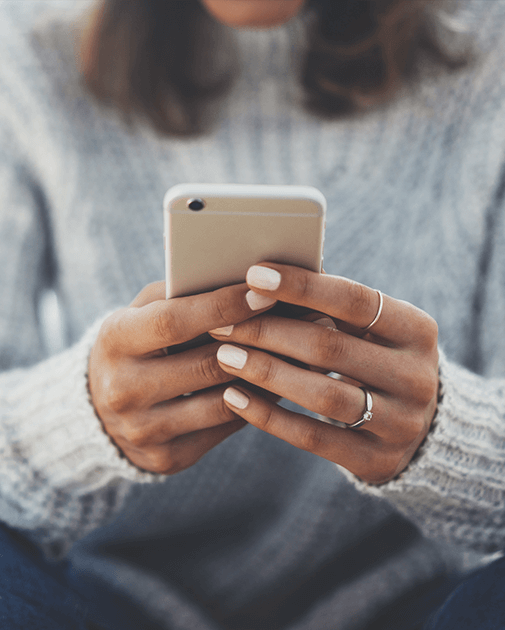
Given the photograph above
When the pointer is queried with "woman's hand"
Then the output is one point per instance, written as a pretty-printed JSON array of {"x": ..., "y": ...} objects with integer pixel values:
[
  {"x": 396, "y": 361},
  {"x": 138, "y": 389}
]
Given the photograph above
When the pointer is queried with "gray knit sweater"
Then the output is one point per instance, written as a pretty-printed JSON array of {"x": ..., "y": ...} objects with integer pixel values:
[{"x": 257, "y": 534}]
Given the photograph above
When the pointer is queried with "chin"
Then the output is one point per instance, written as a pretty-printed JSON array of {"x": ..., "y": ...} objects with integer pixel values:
[{"x": 253, "y": 13}]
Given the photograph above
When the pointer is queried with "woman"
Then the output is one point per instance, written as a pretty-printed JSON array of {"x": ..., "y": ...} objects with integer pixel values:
[{"x": 253, "y": 531}]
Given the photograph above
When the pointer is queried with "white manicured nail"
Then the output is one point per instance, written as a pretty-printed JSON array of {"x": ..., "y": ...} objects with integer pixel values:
[
  {"x": 236, "y": 398},
  {"x": 263, "y": 278},
  {"x": 222, "y": 332},
  {"x": 257, "y": 302},
  {"x": 232, "y": 356}
]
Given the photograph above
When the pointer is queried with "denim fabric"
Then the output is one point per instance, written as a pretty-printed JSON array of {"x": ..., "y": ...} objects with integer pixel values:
[
  {"x": 37, "y": 594},
  {"x": 40, "y": 595},
  {"x": 478, "y": 603},
  {"x": 45, "y": 596},
  {"x": 33, "y": 594}
]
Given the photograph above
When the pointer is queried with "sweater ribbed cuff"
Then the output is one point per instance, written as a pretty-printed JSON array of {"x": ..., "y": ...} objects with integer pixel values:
[{"x": 452, "y": 488}]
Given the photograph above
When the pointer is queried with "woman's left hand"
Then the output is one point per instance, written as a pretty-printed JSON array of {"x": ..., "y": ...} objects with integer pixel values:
[{"x": 396, "y": 361}]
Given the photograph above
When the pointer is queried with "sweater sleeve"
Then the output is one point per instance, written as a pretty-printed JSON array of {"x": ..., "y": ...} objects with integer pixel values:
[
  {"x": 60, "y": 474},
  {"x": 454, "y": 488}
]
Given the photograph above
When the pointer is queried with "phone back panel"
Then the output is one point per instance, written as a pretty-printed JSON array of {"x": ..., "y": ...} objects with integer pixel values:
[{"x": 215, "y": 246}]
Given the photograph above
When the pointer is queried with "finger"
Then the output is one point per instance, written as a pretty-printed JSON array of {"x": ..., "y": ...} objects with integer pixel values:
[
  {"x": 361, "y": 452},
  {"x": 158, "y": 380},
  {"x": 184, "y": 451},
  {"x": 320, "y": 320},
  {"x": 162, "y": 323},
  {"x": 150, "y": 293},
  {"x": 345, "y": 300},
  {"x": 317, "y": 392},
  {"x": 344, "y": 447},
  {"x": 324, "y": 346},
  {"x": 175, "y": 435},
  {"x": 167, "y": 421}
]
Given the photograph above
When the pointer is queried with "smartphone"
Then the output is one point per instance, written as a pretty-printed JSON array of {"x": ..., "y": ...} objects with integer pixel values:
[{"x": 215, "y": 232}]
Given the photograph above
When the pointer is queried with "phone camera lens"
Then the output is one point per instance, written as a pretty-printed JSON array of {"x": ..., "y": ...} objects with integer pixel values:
[{"x": 196, "y": 205}]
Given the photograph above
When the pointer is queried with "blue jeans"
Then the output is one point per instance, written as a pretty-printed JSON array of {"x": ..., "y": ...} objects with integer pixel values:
[
  {"x": 34, "y": 594},
  {"x": 39, "y": 595},
  {"x": 478, "y": 603}
]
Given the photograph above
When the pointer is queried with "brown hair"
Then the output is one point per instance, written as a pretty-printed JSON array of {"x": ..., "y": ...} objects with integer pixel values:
[{"x": 159, "y": 58}]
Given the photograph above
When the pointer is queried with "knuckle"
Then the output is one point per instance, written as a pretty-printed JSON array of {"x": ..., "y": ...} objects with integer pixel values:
[
  {"x": 223, "y": 311},
  {"x": 419, "y": 383},
  {"x": 265, "y": 418},
  {"x": 119, "y": 393},
  {"x": 313, "y": 438},
  {"x": 108, "y": 326},
  {"x": 426, "y": 386},
  {"x": 151, "y": 292},
  {"x": 265, "y": 373},
  {"x": 209, "y": 371},
  {"x": 136, "y": 435},
  {"x": 152, "y": 288},
  {"x": 380, "y": 466},
  {"x": 303, "y": 287},
  {"x": 409, "y": 429},
  {"x": 222, "y": 411},
  {"x": 167, "y": 325},
  {"x": 427, "y": 333},
  {"x": 107, "y": 336},
  {"x": 390, "y": 467},
  {"x": 331, "y": 402},
  {"x": 117, "y": 399},
  {"x": 256, "y": 331},
  {"x": 330, "y": 348},
  {"x": 360, "y": 301},
  {"x": 410, "y": 382},
  {"x": 162, "y": 463}
]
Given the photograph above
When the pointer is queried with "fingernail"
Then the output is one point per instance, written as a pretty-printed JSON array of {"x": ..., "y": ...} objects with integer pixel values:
[
  {"x": 232, "y": 356},
  {"x": 222, "y": 332},
  {"x": 325, "y": 321},
  {"x": 257, "y": 301},
  {"x": 236, "y": 398},
  {"x": 263, "y": 278}
]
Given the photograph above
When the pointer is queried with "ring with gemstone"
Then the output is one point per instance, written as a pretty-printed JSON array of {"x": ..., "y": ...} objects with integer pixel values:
[{"x": 367, "y": 414}]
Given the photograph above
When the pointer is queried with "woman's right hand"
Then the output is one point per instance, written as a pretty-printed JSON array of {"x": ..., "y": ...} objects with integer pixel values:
[{"x": 138, "y": 391}]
